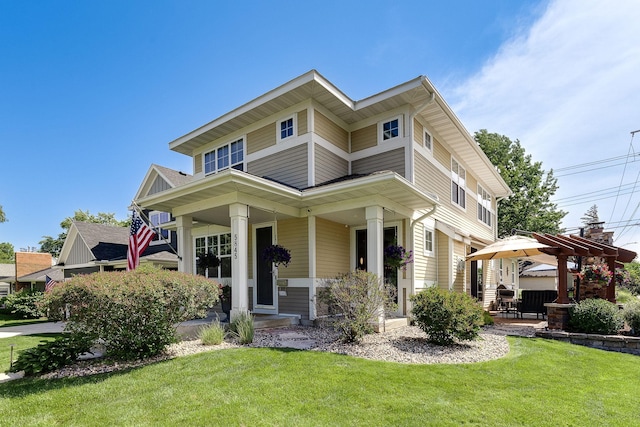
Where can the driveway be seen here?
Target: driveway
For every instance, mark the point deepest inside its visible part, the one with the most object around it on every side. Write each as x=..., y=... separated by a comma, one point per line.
x=30, y=329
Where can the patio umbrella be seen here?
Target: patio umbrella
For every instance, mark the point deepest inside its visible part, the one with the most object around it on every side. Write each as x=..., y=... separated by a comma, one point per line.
x=510, y=247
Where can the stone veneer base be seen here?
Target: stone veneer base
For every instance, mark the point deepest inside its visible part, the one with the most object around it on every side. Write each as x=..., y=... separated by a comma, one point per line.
x=619, y=343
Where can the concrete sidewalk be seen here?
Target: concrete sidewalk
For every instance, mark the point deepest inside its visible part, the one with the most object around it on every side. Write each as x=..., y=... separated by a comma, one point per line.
x=31, y=329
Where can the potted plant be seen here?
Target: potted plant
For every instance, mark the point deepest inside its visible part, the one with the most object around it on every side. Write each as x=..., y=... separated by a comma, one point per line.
x=276, y=255
x=395, y=256
x=594, y=280
x=225, y=299
x=206, y=260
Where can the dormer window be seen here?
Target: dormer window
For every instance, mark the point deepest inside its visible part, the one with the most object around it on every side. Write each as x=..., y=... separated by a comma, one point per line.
x=228, y=156
x=390, y=129
x=287, y=128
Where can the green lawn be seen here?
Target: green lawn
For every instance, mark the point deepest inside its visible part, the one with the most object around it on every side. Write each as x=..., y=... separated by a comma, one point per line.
x=11, y=320
x=540, y=382
x=19, y=342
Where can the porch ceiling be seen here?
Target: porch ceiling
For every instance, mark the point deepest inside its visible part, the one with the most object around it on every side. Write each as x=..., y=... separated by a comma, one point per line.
x=207, y=200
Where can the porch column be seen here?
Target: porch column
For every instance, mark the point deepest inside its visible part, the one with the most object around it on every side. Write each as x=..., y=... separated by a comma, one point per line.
x=563, y=296
x=185, y=244
x=239, y=256
x=375, y=227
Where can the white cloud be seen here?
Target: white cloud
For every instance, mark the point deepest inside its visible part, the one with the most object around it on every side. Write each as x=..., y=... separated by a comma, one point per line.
x=568, y=88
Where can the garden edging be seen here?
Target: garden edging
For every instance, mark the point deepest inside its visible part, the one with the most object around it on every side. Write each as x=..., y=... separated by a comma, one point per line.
x=619, y=343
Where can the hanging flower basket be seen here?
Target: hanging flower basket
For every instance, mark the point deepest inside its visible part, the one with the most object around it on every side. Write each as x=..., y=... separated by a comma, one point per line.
x=207, y=260
x=277, y=255
x=596, y=273
x=395, y=256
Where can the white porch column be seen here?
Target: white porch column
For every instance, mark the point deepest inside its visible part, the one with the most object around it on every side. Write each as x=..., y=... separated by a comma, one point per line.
x=375, y=228
x=185, y=244
x=239, y=255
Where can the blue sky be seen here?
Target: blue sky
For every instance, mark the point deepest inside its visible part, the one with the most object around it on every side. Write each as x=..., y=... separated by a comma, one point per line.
x=91, y=93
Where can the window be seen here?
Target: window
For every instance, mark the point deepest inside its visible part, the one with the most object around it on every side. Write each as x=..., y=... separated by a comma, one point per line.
x=286, y=128
x=220, y=246
x=458, y=185
x=230, y=155
x=484, y=206
x=427, y=140
x=428, y=241
x=390, y=129
x=157, y=218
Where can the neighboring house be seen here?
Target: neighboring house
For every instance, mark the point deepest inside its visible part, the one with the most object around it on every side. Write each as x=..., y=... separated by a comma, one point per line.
x=90, y=248
x=335, y=181
x=7, y=278
x=544, y=276
x=28, y=263
x=36, y=281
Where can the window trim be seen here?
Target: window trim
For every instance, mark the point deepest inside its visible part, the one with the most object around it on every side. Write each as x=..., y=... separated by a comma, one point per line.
x=294, y=128
x=231, y=165
x=431, y=230
x=219, y=245
x=481, y=204
x=157, y=228
x=457, y=181
x=381, y=129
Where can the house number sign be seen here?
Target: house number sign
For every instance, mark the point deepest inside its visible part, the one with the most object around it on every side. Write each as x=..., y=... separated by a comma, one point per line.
x=235, y=246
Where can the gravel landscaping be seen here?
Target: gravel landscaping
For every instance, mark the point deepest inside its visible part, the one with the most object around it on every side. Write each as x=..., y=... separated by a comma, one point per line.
x=403, y=345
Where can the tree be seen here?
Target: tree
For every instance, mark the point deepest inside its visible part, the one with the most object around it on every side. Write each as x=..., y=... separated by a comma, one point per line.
x=3, y=218
x=7, y=253
x=529, y=208
x=54, y=245
x=591, y=216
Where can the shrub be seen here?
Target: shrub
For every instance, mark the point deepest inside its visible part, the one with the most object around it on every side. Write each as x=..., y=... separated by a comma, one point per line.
x=444, y=315
x=242, y=328
x=356, y=300
x=25, y=304
x=134, y=313
x=631, y=315
x=212, y=334
x=486, y=318
x=52, y=355
x=595, y=316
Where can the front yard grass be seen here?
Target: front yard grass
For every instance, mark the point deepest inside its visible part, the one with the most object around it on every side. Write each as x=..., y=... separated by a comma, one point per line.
x=20, y=342
x=11, y=320
x=541, y=382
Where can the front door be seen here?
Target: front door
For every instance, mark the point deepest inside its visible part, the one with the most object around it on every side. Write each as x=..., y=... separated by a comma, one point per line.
x=389, y=237
x=264, y=293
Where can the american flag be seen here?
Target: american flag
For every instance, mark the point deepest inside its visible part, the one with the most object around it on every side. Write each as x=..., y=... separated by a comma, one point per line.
x=139, y=238
x=49, y=283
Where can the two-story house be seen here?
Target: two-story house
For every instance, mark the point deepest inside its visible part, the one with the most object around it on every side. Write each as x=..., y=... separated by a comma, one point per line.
x=335, y=181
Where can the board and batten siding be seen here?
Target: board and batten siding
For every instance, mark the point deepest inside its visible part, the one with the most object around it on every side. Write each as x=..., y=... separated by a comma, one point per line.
x=390, y=160
x=287, y=166
x=366, y=137
x=331, y=132
x=302, y=122
x=295, y=302
x=197, y=163
x=159, y=185
x=79, y=253
x=332, y=248
x=261, y=138
x=328, y=165
x=293, y=235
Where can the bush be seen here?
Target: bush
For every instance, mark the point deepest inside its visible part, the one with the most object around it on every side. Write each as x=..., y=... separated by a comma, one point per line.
x=595, y=316
x=631, y=315
x=212, y=334
x=486, y=318
x=52, y=355
x=356, y=300
x=25, y=304
x=242, y=328
x=133, y=313
x=444, y=315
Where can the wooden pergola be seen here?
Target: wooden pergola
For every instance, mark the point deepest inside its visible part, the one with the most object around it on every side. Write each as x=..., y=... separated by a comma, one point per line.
x=563, y=247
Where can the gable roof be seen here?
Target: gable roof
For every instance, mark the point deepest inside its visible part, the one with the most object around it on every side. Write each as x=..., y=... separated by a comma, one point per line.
x=419, y=93
x=160, y=178
x=8, y=271
x=41, y=276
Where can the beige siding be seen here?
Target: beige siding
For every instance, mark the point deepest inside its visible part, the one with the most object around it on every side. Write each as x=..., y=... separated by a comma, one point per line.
x=391, y=160
x=261, y=138
x=429, y=179
x=331, y=131
x=329, y=166
x=293, y=235
x=459, y=276
x=332, y=248
x=418, y=131
x=197, y=163
x=302, y=122
x=364, y=138
x=424, y=267
x=444, y=259
x=288, y=166
x=296, y=301
x=441, y=155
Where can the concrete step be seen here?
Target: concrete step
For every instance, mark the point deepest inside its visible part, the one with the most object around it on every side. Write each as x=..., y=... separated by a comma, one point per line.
x=393, y=323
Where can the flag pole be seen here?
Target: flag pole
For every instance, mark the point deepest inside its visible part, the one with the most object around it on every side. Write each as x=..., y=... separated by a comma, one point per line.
x=155, y=228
